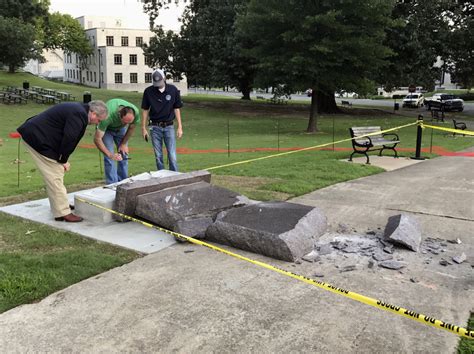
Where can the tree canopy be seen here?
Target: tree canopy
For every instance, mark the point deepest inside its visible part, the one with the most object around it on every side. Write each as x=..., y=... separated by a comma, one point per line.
x=50, y=31
x=323, y=45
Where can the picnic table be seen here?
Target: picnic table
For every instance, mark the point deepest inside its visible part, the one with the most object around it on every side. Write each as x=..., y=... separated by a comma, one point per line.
x=47, y=99
x=36, y=88
x=13, y=98
x=65, y=96
x=49, y=92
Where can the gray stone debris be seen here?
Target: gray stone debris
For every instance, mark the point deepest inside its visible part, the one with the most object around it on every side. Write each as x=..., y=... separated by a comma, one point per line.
x=348, y=268
x=444, y=262
x=392, y=264
x=187, y=209
x=127, y=193
x=460, y=258
x=380, y=256
x=324, y=249
x=388, y=249
x=280, y=230
x=404, y=230
x=312, y=257
x=456, y=241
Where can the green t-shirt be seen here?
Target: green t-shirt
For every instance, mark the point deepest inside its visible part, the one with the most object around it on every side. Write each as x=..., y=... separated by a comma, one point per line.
x=113, y=119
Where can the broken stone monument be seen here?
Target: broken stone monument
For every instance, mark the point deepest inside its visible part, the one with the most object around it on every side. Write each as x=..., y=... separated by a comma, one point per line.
x=187, y=209
x=280, y=230
x=404, y=230
x=127, y=193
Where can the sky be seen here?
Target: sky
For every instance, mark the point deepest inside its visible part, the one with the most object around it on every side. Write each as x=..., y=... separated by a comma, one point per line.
x=130, y=10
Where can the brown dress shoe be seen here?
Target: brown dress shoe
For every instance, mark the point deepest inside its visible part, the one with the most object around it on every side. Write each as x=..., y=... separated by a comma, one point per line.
x=69, y=218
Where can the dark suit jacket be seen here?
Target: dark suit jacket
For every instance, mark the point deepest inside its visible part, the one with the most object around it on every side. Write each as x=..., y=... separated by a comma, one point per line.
x=56, y=132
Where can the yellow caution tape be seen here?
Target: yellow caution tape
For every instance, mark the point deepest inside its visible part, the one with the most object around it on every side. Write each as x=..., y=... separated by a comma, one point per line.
x=457, y=131
x=309, y=148
x=463, y=332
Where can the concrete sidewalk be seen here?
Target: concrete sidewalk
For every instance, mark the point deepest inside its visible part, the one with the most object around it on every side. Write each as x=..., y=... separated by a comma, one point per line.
x=187, y=298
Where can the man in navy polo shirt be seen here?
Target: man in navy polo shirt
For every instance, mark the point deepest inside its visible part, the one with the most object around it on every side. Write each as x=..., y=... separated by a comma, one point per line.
x=161, y=104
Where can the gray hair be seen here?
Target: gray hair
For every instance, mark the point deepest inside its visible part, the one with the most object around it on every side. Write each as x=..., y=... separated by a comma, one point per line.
x=98, y=107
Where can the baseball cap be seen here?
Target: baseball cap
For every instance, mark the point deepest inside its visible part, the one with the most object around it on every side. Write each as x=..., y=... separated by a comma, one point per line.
x=158, y=78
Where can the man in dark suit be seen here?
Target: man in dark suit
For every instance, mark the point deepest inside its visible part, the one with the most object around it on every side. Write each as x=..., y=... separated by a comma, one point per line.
x=51, y=137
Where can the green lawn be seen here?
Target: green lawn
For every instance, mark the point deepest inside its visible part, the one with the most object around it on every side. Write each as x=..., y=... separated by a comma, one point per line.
x=35, y=267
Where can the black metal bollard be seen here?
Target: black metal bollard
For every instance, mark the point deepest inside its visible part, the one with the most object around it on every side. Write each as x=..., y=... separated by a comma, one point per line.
x=87, y=97
x=419, y=135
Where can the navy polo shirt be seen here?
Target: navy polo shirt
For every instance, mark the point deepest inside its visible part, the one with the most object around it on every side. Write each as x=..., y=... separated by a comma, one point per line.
x=161, y=104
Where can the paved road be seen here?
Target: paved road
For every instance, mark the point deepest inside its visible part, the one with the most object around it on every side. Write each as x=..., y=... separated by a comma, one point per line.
x=190, y=299
x=468, y=106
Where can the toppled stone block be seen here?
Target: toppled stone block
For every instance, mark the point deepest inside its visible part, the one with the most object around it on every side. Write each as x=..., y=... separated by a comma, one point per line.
x=280, y=230
x=404, y=230
x=187, y=209
x=127, y=193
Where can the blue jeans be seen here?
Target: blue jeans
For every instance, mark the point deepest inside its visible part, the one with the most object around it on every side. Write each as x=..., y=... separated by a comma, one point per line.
x=114, y=172
x=166, y=135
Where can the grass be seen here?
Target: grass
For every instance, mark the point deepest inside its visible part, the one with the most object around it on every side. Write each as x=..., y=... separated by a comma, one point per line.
x=36, y=260
x=36, y=264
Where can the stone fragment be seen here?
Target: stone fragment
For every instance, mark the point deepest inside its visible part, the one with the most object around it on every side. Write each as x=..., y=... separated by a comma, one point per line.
x=348, y=268
x=404, y=230
x=388, y=249
x=444, y=262
x=392, y=264
x=127, y=193
x=379, y=256
x=351, y=249
x=371, y=264
x=456, y=241
x=318, y=275
x=460, y=258
x=187, y=209
x=312, y=257
x=324, y=249
x=280, y=230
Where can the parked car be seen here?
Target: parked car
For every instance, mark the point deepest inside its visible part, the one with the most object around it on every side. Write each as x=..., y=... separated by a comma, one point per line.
x=444, y=101
x=413, y=100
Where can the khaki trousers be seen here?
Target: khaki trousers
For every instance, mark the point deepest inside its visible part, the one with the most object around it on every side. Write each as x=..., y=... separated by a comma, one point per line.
x=53, y=176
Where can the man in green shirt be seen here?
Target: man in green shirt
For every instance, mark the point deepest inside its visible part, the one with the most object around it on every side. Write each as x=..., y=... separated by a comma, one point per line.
x=116, y=129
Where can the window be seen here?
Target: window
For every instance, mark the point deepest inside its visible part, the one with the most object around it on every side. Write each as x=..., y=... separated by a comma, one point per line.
x=148, y=78
x=124, y=41
x=87, y=74
x=118, y=59
x=118, y=78
x=149, y=61
x=95, y=76
x=133, y=78
x=139, y=41
x=102, y=77
x=110, y=41
x=133, y=59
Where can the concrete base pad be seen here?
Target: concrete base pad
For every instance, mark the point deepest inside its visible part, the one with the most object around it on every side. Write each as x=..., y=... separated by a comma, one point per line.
x=388, y=163
x=98, y=224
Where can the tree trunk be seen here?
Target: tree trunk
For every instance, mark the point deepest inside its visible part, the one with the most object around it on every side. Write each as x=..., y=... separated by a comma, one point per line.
x=313, y=118
x=326, y=102
x=11, y=68
x=245, y=88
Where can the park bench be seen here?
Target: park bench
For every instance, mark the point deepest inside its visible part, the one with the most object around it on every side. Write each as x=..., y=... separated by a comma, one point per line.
x=459, y=125
x=346, y=103
x=378, y=141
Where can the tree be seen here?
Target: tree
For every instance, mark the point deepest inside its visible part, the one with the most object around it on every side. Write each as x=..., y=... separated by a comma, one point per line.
x=63, y=31
x=460, y=59
x=17, y=43
x=420, y=36
x=208, y=48
x=28, y=11
x=323, y=45
x=50, y=31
